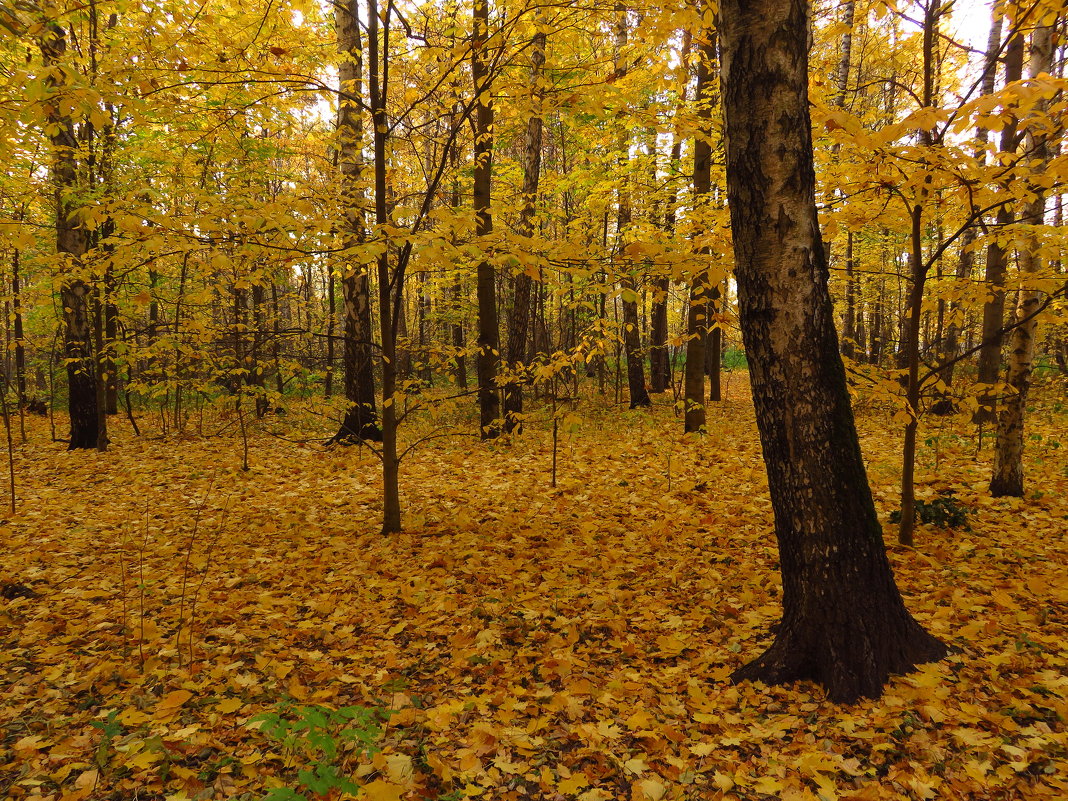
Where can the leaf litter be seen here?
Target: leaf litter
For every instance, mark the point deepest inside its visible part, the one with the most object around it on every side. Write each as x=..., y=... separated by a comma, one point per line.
x=520, y=641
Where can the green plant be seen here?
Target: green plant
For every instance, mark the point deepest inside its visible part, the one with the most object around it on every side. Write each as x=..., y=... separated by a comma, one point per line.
x=109, y=729
x=324, y=740
x=944, y=511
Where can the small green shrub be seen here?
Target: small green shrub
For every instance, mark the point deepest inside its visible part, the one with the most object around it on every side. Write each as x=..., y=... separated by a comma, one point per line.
x=944, y=511
x=318, y=736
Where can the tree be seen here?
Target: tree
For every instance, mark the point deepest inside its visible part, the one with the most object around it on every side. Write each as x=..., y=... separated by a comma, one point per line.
x=72, y=245
x=639, y=395
x=702, y=292
x=488, y=357
x=996, y=253
x=519, y=319
x=1008, y=475
x=361, y=418
x=844, y=623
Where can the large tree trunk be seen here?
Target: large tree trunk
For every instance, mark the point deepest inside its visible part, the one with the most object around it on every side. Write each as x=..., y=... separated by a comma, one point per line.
x=488, y=355
x=72, y=243
x=1008, y=475
x=361, y=418
x=844, y=623
x=519, y=320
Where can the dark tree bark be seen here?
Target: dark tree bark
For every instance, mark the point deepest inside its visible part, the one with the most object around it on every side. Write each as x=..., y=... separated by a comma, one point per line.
x=488, y=356
x=519, y=321
x=388, y=294
x=702, y=293
x=844, y=623
x=72, y=243
x=361, y=418
x=639, y=395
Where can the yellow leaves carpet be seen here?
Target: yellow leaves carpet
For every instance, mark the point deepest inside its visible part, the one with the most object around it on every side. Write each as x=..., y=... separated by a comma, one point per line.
x=532, y=642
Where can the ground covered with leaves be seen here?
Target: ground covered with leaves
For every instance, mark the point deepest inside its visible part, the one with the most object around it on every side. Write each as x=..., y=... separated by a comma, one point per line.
x=174, y=627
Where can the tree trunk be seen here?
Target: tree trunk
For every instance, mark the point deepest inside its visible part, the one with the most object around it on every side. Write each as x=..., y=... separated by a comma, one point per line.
x=844, y=623
x=659, y=355
x=519, y=321
x=996, y=258
x=16, y=309
x=378, y=94
x=918, y=271
x=72, y=243
x=639, y=395
x=361, y=418
x=488, y=355
x=1008, y=475
x=701, y=290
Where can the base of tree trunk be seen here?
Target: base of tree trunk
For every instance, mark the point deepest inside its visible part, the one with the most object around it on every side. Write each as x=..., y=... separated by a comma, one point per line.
x=640, y=399
x=1007, y=486
x=943, y=407
x=360, y=425
x=829, y=656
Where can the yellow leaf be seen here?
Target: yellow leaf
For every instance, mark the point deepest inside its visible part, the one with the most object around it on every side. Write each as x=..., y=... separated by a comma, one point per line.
x=144, y=759
x=132, y=716
x=768, y=786
x=173, y=700
x=379, y=790
x=651, y=789
x=722, y=781
x=229, y=705
x=572, y=784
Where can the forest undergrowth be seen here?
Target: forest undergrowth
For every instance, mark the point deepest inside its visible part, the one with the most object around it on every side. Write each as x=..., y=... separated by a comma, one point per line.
x=517, y=641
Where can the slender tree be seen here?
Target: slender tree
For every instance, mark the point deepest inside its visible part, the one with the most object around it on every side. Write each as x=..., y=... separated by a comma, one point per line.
x=996, y=252
x=844, y=624
x=1008, y=473
x=488, y=356
x=639, y=395
x=361, y=418
x=702, y=292
x=518, y=323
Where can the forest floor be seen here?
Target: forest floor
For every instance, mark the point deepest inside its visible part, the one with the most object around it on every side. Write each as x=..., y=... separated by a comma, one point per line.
x=517, y=641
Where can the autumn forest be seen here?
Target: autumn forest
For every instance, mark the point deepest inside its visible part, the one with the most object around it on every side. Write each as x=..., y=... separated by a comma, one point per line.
x=529, y=400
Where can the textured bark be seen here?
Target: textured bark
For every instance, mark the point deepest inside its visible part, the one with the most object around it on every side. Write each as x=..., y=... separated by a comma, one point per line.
x=849, y=322
x=844, y=623
x=72, y=243
x=377, y=90
x=519, y=320
x=632, y=346
x=701, y=297
x=488, y=356
x=1008, y=475
x=996, y=259
x=361, y=418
